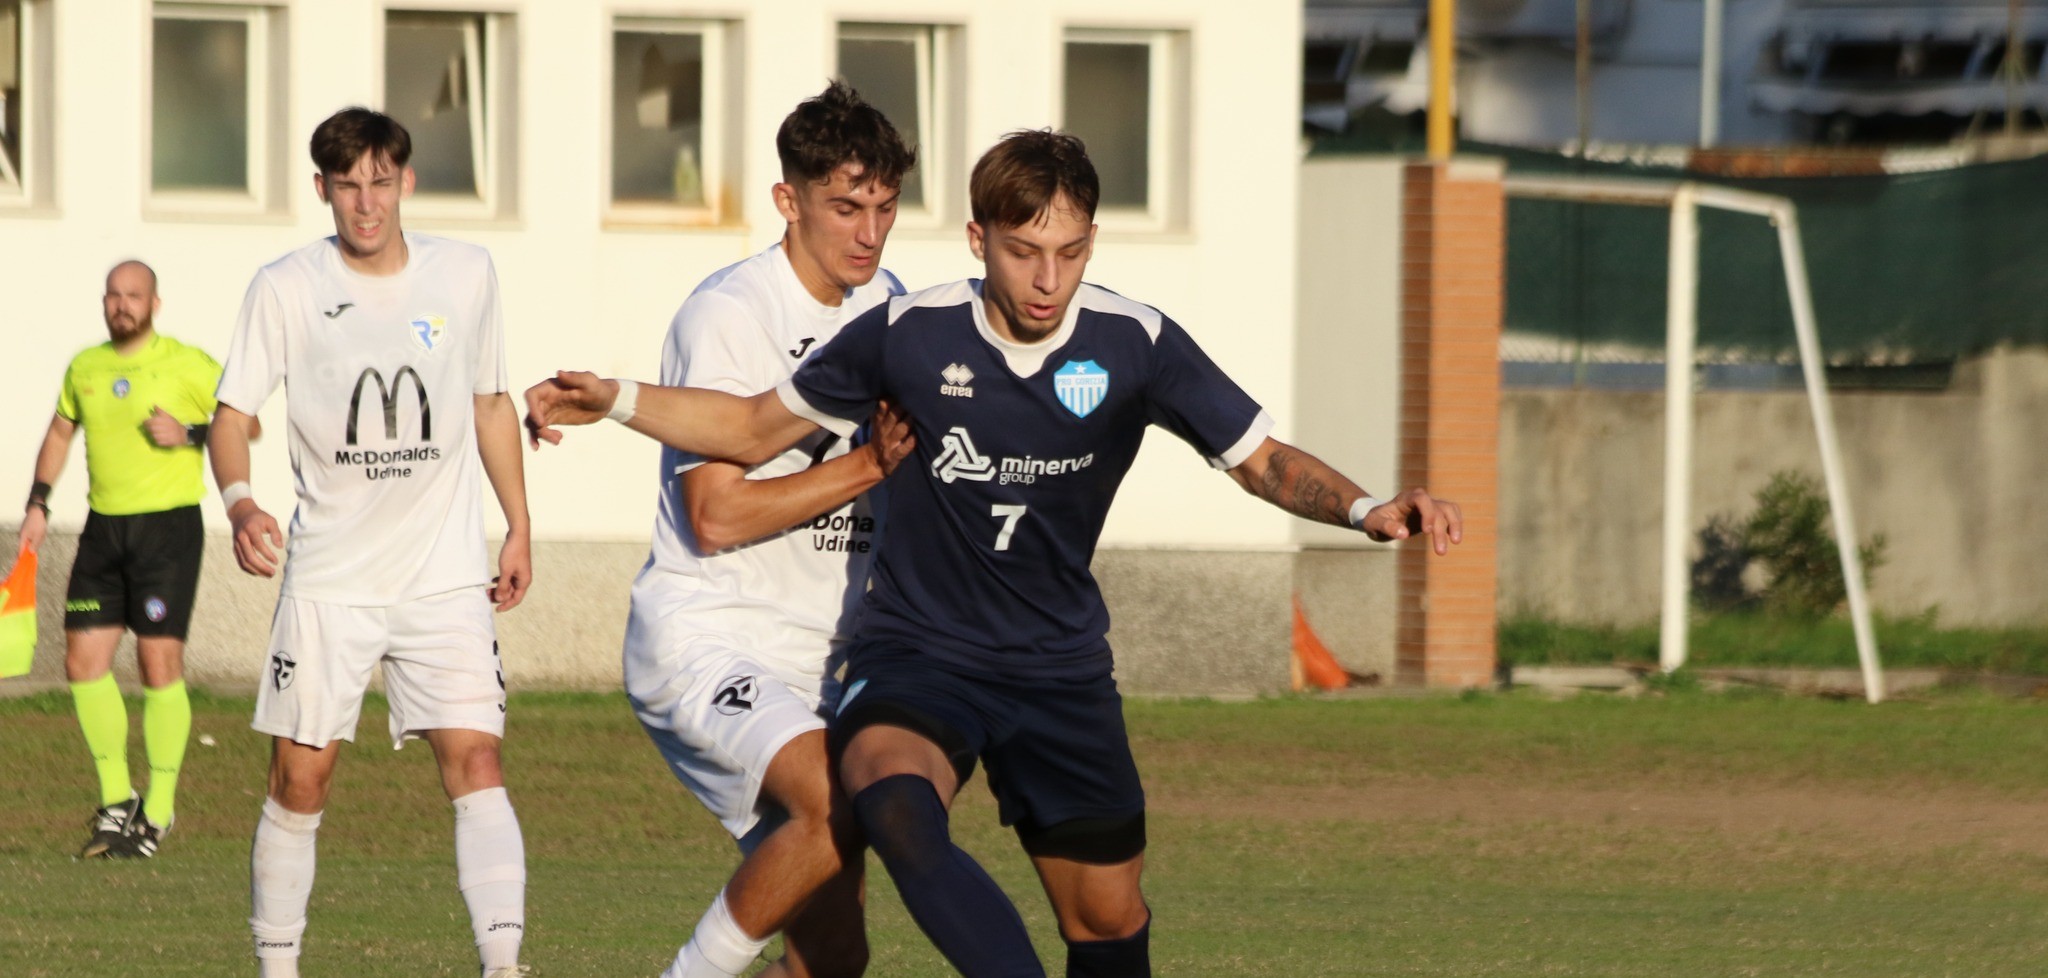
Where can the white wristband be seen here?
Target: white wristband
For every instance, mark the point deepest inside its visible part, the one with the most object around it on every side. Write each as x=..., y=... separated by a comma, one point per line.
x=1364, y=505
x=232, y=494
x=622, y=406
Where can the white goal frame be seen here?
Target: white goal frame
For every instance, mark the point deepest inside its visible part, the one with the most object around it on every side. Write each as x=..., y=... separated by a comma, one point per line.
x=1685, y=198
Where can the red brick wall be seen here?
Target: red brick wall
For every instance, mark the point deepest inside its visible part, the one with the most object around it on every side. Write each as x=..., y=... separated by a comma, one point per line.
x=1452, y=269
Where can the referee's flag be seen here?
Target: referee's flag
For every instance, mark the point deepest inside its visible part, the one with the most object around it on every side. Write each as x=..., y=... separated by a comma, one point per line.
x=18, y=618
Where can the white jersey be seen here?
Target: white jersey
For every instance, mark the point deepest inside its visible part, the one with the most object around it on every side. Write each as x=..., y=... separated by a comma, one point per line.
x=785, y=597
x=380, y=372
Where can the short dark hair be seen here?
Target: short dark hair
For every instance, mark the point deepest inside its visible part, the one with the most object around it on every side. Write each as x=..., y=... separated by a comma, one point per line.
x=836, y=127
x=347, y=136
x=1021, y=175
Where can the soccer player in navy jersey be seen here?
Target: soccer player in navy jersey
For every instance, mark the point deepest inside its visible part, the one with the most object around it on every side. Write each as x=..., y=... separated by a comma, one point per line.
x=984, y=639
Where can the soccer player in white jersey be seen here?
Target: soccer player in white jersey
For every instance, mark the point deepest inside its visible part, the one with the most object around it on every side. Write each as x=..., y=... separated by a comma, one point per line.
x=392, y=346
x=756, y=570
x=984, y=637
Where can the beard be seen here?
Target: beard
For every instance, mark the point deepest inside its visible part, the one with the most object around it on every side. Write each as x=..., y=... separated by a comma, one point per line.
x=123, y=328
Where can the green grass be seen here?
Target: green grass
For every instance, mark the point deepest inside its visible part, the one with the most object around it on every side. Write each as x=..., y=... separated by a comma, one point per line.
x=1686, y=834
x=1761, y=640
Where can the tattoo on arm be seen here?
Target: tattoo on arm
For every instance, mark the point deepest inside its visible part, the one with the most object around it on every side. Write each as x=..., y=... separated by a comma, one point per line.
x=1294, y=482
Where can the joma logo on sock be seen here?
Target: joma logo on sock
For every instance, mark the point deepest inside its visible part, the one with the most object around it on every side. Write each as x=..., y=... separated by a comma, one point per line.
x=506, y=925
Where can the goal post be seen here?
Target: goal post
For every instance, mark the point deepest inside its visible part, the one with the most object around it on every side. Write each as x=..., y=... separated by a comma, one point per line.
x=1684, y=199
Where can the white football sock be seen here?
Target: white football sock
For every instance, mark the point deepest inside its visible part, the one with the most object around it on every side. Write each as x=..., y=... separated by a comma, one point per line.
x=490, y=869
x=719, y=948
x=280, y=882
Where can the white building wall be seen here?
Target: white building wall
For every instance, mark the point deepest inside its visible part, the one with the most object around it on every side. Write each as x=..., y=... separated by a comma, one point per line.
x=580, y=294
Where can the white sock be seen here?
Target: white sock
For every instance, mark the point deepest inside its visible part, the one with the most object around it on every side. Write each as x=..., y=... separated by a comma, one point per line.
x=719, y=948
x=280, y=882
x=490, y=869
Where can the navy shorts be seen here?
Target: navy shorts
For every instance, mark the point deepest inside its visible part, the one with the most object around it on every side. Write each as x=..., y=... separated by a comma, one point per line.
x=140, y=572
x=1056, y=749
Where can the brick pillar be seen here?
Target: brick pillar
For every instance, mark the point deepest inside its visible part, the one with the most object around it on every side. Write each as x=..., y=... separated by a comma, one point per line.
x=1452, y=274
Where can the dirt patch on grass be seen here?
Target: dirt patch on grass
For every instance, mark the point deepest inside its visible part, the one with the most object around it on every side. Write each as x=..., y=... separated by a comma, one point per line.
x=1838, y=821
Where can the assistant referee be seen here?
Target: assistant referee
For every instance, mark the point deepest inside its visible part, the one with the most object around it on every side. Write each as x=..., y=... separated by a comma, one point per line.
x=142, y=400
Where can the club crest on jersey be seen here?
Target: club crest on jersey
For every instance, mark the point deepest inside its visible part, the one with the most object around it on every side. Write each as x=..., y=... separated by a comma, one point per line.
x=121, y=387
x=427, y=331
x=736, y=695
x=956, y=377
x=1081, y=386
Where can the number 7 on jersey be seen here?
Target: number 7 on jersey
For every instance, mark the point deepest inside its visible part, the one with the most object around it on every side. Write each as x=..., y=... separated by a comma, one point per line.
x=1011, y=514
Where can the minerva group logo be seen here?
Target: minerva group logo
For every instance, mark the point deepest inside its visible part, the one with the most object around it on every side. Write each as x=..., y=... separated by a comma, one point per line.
x=959, y=459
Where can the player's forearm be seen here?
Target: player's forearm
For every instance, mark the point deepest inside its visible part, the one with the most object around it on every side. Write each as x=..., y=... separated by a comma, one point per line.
x=227, y=446
x=1299, y=483
x=715, y=424
x=741, y=510
x=497, y=444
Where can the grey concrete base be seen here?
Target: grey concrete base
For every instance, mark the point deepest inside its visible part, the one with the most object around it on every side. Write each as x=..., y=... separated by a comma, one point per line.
x=1192, y=623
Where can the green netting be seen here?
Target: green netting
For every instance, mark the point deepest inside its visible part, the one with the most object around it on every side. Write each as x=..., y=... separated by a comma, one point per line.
x=1922, y=266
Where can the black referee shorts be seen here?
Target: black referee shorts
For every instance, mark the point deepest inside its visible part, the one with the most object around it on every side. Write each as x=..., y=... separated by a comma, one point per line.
x=1059, y=761
x=138, y=571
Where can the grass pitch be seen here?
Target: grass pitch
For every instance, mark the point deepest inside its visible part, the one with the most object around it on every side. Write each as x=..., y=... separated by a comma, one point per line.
x=1695, y=835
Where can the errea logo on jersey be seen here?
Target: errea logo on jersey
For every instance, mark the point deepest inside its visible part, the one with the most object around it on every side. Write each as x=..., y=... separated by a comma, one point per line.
x=956, y=377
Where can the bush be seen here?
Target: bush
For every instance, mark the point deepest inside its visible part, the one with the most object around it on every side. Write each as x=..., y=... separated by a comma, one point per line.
x=1790, y=539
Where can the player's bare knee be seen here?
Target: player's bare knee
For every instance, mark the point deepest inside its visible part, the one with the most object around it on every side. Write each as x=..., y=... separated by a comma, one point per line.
x=300, y=788
x=471, y=767
x=1110, y=919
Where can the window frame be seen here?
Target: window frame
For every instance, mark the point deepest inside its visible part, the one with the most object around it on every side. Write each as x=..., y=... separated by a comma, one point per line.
x=720, y=39
x=1168, y=144
x=939, y=112
x=262, y=193
x=34, y=185
x=494, y=146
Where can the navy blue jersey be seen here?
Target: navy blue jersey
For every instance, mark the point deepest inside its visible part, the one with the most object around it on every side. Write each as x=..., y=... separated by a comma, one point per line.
x=1020, y=449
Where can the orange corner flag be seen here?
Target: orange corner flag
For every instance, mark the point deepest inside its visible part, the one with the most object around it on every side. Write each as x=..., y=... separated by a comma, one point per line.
x=18, y=618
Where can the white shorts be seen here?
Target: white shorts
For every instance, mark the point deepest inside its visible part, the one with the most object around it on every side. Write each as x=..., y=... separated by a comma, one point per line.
x=440, y=658
x=718, y=722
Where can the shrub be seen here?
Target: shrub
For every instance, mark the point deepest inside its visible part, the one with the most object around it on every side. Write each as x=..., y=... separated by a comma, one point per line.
x=1790, y=539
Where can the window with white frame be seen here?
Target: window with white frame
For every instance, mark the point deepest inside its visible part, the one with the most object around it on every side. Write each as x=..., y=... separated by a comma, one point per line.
x=213, y=97
x=448, y=80
x=902, y=70
x=12, y=51
x=673, y=102
x=1124, y=94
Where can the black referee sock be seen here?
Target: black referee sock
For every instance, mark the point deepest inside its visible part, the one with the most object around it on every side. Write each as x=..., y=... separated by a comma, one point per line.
x=950, y=896
x=1124, y=957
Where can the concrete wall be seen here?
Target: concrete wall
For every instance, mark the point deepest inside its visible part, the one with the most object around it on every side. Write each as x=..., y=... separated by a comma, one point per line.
x=1953, y=480
x=1208, y=623
x=582, y=289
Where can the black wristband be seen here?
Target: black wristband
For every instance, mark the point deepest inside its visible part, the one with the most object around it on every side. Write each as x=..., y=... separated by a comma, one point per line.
x=39, y=495
x=195, y=434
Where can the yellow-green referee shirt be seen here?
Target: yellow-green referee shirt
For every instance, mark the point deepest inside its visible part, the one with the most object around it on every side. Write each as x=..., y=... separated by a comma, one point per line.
x=110, y=396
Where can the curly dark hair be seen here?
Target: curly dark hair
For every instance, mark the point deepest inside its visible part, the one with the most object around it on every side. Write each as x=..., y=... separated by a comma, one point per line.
x=349, y=135
x=836, y=127
x=1021, y=175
